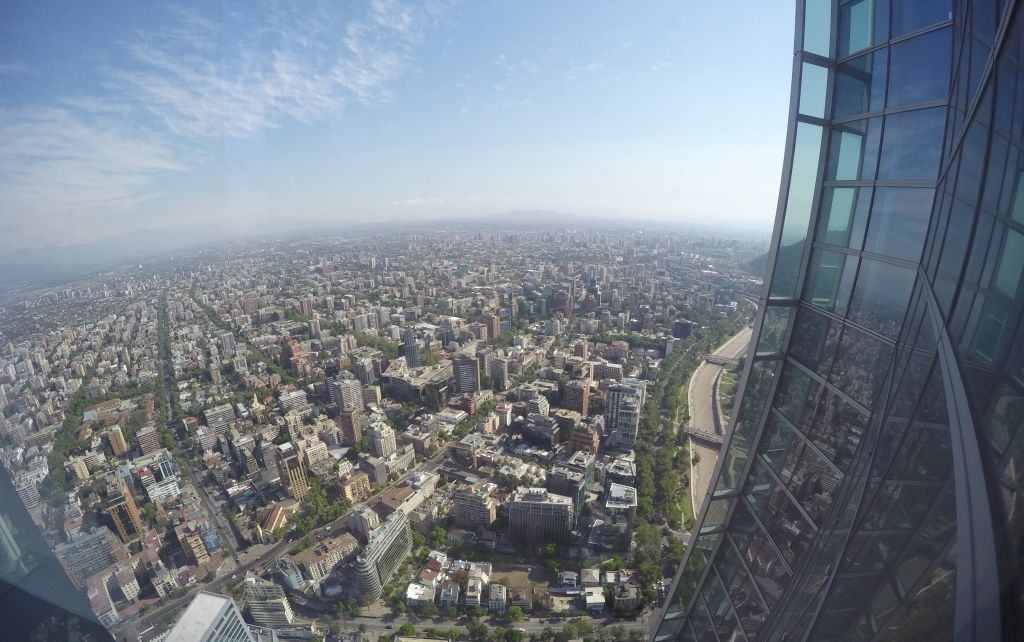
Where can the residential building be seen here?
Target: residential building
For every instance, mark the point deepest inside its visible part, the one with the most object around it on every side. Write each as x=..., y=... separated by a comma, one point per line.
x=352, y=422
x=321, y=558
x=475, y=506
x=117, y=442
x=122, y=510
x=382, y=439
x=267, y=603
x=356, y=487
x=292, y=471
x=384, y=552
x=537, y=517
x=624, y=403
x=149, y=439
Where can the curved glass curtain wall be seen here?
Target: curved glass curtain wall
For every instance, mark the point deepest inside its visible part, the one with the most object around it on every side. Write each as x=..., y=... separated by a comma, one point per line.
x=870, y=485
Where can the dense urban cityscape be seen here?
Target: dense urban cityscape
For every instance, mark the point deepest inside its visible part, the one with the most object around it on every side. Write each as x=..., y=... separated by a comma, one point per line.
x=493, y=434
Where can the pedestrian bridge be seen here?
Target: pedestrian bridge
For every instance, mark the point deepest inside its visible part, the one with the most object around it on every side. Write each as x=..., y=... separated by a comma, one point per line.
x=719, y=360
x=704, y=437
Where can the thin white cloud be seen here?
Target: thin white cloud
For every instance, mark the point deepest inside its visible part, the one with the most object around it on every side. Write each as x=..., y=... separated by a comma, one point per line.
x=420, y=200
x=59, y=169
x=13, y=68
x=177, y=90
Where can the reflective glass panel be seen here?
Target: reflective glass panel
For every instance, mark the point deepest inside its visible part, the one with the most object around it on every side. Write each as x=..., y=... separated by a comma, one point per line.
x=773, y=329
x=912, y=144
x=860, y=365
x=860, y=84
x=854, y=150
x=797, y=395
x=899, y=221
x=911, y=15
x=815, y=338
x=831, y=280
x=1010, y=266
x=844, y=211
x=881, y=295
x=806, y=151
x=817, y=26
x=752, y=404
x=813, y=89
x=919, y=69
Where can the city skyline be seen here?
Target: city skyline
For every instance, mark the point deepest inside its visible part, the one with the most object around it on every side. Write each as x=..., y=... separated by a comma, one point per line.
x=153, y=119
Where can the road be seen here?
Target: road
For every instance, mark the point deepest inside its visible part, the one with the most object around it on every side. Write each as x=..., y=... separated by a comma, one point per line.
x=702, y=395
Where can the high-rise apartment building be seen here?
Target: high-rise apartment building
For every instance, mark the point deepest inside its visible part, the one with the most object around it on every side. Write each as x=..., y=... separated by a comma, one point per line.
x=576, y=396
x=352, y=423
x=123, y=511
x=117, y=441
x=870, y=484
x=346, y=392
x=293, y=473
x=622, y=408
x=467, y=373
x=387, y=547
x=475, y=506
x=411, y=347
x=267, y=603
x=382, y=439
x=537, y=517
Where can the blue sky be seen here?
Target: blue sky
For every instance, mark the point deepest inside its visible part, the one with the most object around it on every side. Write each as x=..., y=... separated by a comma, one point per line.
x=234, y=117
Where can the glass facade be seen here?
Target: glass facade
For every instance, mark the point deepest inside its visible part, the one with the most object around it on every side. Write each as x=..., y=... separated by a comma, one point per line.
x=872, y=481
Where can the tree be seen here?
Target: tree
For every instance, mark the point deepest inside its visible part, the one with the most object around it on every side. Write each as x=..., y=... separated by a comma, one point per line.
x=418, y=540
x=439, y=537
x=453, y=633
x=479, y=632
x=407, y=629
x=515, y=613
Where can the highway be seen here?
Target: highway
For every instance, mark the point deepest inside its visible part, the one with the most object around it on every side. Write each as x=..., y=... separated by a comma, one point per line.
x=702, y=395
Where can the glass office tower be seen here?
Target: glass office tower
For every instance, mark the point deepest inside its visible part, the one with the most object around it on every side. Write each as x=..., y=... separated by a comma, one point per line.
x=37, y=599
x=871, y=483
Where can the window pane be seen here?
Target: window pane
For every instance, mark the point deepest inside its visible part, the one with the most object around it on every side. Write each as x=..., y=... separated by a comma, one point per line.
x=899, y=221
x=919, y=69
x=752, y=404
x=911, y=15
x=860, y=365
x=844, y=211
x=766, y=567
x=1010, y=267
x=860, y=84
x=773, y=329
x=881, y=296
x=787, y=527
x=837, y=430
x=815, y=338
x=797, y=396
x=912, y=144
x=813, y=88
x=854, y=150
x=831, y=280
x=817, y=26
x=856, y=23
x=806, y=151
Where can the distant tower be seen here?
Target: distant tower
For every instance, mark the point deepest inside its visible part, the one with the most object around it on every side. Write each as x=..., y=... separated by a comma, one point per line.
x=122, y=509
x=412, y=349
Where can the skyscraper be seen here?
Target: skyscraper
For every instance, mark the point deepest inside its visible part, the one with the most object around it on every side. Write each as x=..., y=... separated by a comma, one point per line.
x=293, y=473
x=411, y=347
x=467, y=373
x=870, y=482
x=210, y=618
x=38, y=601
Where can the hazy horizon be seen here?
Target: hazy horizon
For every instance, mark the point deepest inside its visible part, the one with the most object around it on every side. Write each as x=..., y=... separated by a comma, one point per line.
x=231, y=120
